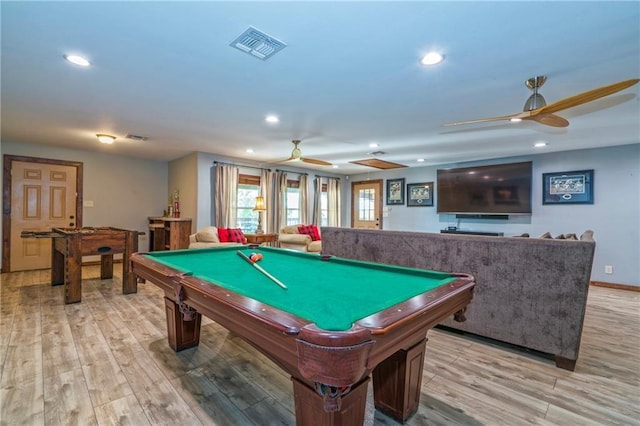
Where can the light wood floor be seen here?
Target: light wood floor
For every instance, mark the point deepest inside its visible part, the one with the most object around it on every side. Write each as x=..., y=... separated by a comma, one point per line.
x=106, y=361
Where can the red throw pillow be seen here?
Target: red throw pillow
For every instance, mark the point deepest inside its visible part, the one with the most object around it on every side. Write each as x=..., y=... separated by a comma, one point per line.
x=310, y=230
x=223, y=235
x=236, y=236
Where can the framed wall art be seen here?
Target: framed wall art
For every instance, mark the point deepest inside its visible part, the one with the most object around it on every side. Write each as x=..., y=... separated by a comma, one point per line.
x=395, y=191
x=574, y=187
x=420, y=194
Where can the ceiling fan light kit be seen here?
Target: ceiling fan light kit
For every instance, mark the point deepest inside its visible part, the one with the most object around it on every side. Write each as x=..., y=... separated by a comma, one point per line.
x=296, y=155
x=536, y=108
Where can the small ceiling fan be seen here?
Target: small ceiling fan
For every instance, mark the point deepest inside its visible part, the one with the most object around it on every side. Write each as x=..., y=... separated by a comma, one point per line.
x=296, y=154
x=536, y=108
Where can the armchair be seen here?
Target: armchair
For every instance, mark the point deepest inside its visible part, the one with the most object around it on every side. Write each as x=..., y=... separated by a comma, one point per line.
x=291, y=238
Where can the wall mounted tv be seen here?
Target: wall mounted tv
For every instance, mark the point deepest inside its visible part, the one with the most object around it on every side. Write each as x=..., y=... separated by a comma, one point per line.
x=484, y=191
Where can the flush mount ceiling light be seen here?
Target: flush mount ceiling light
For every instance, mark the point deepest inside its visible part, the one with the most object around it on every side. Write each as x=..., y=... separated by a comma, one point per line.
x=103, y=138
x=78, y=60
x=432, y=58
x=272, y=119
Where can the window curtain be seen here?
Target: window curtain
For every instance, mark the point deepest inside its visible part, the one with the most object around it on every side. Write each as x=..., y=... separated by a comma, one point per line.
x=317, y=203
x=266, y=190
x=333, y=202
x=304, y=199
x=279, y=218
x=226, y=195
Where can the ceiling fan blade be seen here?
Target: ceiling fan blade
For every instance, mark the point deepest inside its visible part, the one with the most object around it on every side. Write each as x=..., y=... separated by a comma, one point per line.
x=583, y=98
x=314, y=161
x=484, y=120
x=283, y=161
x=549, y=120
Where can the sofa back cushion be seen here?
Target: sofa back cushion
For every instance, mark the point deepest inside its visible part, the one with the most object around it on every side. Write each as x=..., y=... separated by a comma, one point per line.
x=223, y=234
x=208, y=234
x=236, y=236
x=291, y=229
x=310, y=230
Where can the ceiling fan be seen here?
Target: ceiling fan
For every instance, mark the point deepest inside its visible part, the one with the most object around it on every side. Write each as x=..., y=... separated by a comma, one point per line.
x=296, y=154
x=536, y=108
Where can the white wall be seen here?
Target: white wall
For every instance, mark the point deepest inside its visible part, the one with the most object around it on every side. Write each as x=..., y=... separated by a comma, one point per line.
x=614, y=217
x=125, y=190
x=183, y=177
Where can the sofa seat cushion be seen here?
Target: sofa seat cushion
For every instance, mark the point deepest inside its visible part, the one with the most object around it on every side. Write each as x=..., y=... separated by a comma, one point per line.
x=315, y=247
x=199, y=245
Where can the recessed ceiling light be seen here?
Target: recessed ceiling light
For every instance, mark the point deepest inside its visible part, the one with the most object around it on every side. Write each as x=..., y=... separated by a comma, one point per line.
x=272, y=119
x=420, y=160
x=432, y=58
x=108, y=139
x=515, y=120
x=373, y=145
x=335, y=166
x=540, y=144
x=78, y=60
x=249, y=151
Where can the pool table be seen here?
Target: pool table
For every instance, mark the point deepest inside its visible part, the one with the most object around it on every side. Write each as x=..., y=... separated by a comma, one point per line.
x=337, y=322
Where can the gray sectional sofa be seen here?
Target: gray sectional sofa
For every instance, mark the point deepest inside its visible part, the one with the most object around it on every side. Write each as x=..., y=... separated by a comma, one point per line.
x=530, y=292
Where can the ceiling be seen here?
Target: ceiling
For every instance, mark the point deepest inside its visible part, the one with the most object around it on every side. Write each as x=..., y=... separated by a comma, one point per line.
x=349, y=76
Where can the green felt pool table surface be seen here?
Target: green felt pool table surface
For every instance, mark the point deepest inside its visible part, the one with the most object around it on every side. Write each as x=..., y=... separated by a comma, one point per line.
x=333, y=293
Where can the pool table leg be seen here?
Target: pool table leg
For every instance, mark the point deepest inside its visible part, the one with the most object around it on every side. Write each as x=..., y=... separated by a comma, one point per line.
x=397, y=381
x=181, y=334
x=310, y=406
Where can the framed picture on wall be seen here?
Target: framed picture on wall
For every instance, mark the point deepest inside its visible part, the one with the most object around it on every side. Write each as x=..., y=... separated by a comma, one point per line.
x=420, y=194
x=395, y=191
x=574, y=187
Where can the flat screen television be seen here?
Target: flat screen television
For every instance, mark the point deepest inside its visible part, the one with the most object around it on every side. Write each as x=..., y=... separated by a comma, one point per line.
x=499, y=189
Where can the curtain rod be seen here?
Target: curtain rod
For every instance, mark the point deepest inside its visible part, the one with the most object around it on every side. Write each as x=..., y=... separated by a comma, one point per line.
x=240, y=165
x=328, y=177
x=289, y=171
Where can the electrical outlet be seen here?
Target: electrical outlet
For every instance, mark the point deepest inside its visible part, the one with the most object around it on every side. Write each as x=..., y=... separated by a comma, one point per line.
x=608, y=269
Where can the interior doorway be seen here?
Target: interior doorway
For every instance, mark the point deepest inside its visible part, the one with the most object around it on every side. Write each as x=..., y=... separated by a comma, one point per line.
x=366, y=204
x=38, y=194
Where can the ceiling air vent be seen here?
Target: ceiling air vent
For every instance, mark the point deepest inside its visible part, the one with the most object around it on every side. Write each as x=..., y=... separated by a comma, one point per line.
x=258, y=44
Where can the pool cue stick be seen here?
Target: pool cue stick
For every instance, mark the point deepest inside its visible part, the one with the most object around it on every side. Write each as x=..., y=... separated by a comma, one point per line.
x=259, y=268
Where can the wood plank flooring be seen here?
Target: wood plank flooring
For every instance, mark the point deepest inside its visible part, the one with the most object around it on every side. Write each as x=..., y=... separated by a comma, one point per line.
x=105, y=361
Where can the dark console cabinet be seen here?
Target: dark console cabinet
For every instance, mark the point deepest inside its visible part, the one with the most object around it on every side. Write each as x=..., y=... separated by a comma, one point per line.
x=168, y=233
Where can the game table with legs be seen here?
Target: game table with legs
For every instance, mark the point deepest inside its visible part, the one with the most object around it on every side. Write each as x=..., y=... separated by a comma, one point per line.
x=336, y=323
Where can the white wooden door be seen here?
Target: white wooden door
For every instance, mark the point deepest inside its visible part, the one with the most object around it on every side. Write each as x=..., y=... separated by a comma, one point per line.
x=366, y=204
x=43, y=196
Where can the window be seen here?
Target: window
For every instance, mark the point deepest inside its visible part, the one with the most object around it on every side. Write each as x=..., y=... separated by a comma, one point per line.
x=293, y=203
x=324, y=206
x=248, y=190
x=366, y=204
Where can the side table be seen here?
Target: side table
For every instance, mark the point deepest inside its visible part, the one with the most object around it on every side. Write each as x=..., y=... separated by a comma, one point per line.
x=266, y=238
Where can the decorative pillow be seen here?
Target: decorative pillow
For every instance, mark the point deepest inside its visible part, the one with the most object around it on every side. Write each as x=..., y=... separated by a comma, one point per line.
x=310, y=230
x=223, y=234
x=546, y=235
x=236, y=236
x=208, y=234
